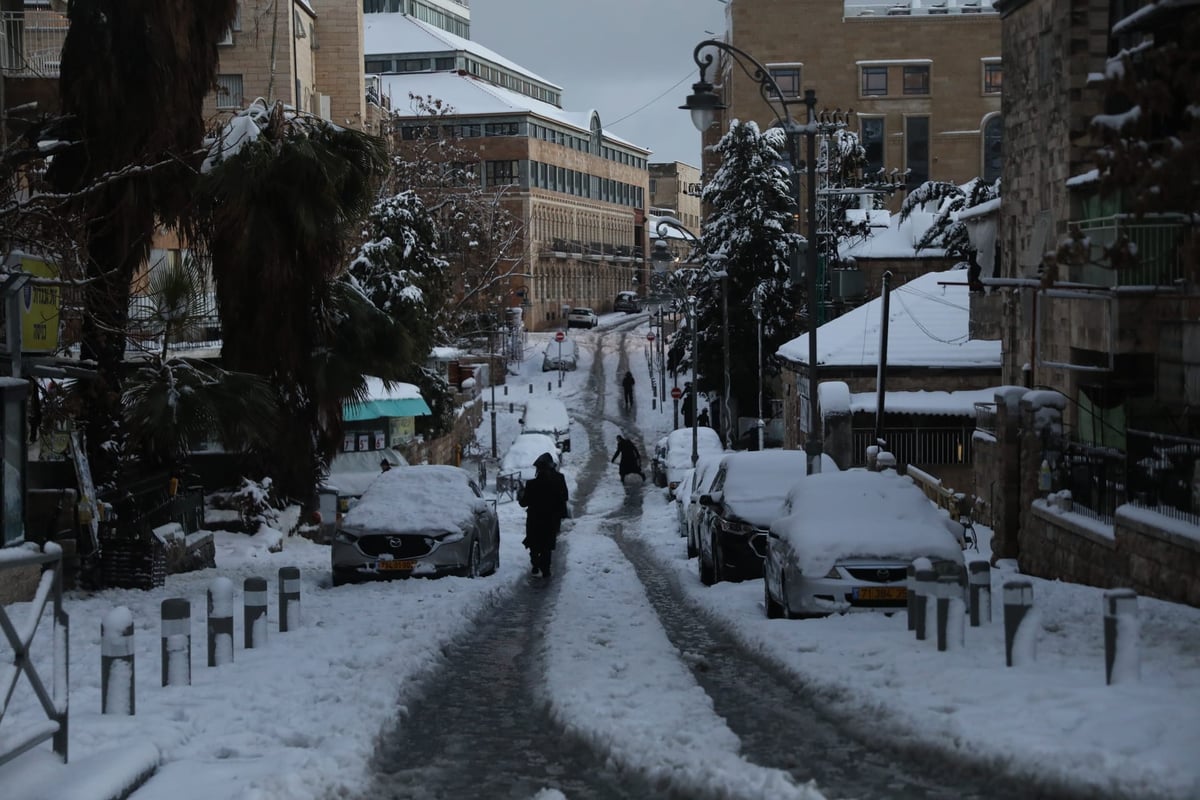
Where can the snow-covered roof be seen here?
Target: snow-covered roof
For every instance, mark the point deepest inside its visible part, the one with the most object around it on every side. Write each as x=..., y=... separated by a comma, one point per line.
x=891, y=238
x=891, y=519
x=398, y=400
x=928, y=327
x=961, y=403
x=389, y=33
x=423, y=498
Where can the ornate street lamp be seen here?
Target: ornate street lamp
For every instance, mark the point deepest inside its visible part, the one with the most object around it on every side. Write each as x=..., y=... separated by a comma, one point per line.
x=703, y=103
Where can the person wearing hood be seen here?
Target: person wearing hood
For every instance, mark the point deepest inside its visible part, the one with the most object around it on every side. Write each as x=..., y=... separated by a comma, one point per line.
x=631, y=459
x=544, y=496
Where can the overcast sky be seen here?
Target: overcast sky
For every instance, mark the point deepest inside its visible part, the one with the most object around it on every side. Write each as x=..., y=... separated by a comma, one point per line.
x=631, y=60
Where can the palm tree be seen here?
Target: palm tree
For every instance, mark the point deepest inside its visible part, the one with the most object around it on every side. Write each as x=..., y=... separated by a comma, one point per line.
x=134, y=75
x=281, y=201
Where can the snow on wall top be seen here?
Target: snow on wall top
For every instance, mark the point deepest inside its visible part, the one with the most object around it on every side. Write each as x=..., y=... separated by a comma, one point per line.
x=927, y=327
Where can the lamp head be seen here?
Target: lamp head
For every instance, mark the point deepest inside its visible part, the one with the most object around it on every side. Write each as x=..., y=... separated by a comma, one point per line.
x=703, y=103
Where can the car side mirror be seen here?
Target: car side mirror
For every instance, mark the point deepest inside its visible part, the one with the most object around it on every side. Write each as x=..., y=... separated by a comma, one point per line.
x=707, y=500
x=481, y=506
x=521, y=421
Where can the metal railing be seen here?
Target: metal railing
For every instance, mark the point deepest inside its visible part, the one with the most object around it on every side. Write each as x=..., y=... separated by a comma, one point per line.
x=1161, y=474
x=1151, y=244
x=985, y=418
x=54, y=702
x=31, y=42
x=1095, y=477
x=920, y=446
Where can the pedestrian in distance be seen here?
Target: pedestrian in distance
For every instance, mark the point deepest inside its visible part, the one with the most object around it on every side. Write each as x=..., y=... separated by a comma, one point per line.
x=627, y=383
x=702, y=421
x=544, y=497
x=385, y=465
x=631, y=460
x=688, y=405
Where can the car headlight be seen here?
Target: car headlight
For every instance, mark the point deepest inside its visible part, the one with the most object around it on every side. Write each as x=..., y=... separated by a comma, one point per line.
x=450, y=538
x=738, y=528
x=344, y=538
x=833, y=573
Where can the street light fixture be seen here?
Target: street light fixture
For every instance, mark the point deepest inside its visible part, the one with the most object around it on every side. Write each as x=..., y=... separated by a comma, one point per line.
x=703, y=103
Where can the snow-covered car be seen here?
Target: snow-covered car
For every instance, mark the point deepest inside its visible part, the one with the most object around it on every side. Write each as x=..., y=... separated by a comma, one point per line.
x=627, y=302
x=559, y=355
x=581, y=317
x=517, y=464
x=746, y=496
x=548, y=415
x=688, y=496
x=846, y=541
x=673, y=454
x=417, y=521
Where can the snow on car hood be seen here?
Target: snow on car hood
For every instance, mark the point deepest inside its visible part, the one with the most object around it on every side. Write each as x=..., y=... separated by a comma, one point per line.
x=418, y=499
x=679, y=446
x=757, y=483
x=861, y=514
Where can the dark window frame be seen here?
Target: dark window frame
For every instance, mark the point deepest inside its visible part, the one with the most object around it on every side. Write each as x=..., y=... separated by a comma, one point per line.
x=866, y=84
x=916, y=79
x=993, y=77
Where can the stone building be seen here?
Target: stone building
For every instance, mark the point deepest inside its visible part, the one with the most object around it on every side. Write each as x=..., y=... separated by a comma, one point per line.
x=924, y=79
x=578, y=191
x=675, y=192
x=1100, y=481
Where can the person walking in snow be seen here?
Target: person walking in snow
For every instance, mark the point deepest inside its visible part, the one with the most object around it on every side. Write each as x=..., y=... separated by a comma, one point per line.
x=544, y=496
x=631, y=460
x=627, y=382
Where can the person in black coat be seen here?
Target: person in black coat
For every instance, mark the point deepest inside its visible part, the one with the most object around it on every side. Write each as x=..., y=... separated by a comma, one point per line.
x=631, y=459
x=627, y=384
x=545, y=499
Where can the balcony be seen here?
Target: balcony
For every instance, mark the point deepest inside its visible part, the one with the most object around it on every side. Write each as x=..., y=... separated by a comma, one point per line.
x=32, y=43
x=1123, y=250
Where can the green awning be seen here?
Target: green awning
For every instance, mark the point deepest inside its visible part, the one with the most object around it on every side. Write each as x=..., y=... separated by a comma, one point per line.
x=377, y=409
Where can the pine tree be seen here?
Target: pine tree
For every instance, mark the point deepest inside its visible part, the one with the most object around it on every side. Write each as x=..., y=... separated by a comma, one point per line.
x=748, y=237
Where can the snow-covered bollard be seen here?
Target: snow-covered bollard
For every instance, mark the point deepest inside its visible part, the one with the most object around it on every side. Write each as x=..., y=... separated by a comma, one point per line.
x=1122, y=659
x=254, y=612
x=925, y=584
x=289, y=598
x=116, y=662
x=176, y=616
x=1018, y=600
x=220, y=622
x=950, y=613
x=980, y=585
x=910, y=596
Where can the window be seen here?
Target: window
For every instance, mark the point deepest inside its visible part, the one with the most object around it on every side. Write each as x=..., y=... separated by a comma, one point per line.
x=916, y=150
x=788, y=79
x=874, y=81
x=993, y=147
x=501, y=173
x=872, y=142
x=444, y=63
x=916, y=79
x=993, y=77
x=500, y=129
x=229, y=91
x=376, y=66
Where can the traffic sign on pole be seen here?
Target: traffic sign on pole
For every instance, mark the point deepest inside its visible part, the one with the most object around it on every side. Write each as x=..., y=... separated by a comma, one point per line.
x=676, y=393
x=559, y=336
x=650, y=336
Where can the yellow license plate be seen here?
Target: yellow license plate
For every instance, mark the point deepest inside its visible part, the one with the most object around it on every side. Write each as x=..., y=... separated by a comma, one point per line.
x=389, y=566
x=881, y=593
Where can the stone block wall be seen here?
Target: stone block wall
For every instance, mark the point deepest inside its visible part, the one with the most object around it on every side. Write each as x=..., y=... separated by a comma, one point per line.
x=1161, y=562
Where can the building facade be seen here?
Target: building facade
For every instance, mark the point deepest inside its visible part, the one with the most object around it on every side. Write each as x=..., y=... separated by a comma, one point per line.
x=578, y=192
x=675, y=192
x=924, y=80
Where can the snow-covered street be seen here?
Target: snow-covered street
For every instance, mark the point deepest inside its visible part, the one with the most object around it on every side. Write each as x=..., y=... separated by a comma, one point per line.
x=313, y=713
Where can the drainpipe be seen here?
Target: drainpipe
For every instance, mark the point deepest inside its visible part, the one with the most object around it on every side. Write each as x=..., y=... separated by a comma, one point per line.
x=881, y=370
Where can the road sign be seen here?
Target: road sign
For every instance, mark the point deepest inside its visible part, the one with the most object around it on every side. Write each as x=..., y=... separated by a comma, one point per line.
x=559, y=336
x=650, y=336
x=676, y=393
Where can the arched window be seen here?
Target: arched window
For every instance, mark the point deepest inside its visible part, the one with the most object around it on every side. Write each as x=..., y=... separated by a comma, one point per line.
x=993, y=148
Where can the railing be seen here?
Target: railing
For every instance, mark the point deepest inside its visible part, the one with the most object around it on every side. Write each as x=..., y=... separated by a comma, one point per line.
x=985, y=418
x=1095, y=477
x=1162, y=474
x=31, y=42
x=921, y=446
x=1151, y=258
x=54, y=703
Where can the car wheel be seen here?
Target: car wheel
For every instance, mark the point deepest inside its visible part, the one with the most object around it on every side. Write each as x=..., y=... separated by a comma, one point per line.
x=774, y=609
x=706, y=571
x=784, y=605
x=338, y=580
x=718, y=566
x=472, y=568
x=692, y=552
x=496, y=554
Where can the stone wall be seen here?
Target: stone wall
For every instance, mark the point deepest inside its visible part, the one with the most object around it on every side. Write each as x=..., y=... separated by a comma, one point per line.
x=1160, y=561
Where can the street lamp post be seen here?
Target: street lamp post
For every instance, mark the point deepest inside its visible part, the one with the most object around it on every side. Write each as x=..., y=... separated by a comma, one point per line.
x=756, y=307
x=691, y=305
x=703, y=103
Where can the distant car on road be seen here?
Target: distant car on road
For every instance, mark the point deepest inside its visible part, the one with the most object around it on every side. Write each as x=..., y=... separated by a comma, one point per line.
x=548, y=415
x=582, y=318
x=559, y=355
x=846, y=540
x=627, y=302
x=417, y=521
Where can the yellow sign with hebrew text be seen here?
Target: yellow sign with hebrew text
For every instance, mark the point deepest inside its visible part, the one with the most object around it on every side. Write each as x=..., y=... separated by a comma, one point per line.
x=39, y=308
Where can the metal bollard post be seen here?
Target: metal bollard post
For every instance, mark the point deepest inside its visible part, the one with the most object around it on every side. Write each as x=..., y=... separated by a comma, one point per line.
x=925, y=581
x=506, y=390
x=910, y=599
x=550, y=385
x=510, y=408
x=1018, y=599
x=980, y=584
x=220, y=622
x=1122, y=659
x=116, y=662
x=950, y=622
x=289, y=598
x=531, y=388
x=176, y=616
x=254, y=612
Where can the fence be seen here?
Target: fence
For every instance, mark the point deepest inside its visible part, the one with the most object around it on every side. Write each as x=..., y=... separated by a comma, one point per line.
x=985, y=418
x=54, y=702
x=32, y=42
x=1153, y=244
x=920, y=446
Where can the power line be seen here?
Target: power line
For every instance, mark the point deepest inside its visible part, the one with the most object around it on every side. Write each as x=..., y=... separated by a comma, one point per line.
x=647, y=104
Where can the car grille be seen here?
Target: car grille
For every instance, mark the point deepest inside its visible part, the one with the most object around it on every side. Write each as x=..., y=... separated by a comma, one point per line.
x=877, y=574
x=410, y=546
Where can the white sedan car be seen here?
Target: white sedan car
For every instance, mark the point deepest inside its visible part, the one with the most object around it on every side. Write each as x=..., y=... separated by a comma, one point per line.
x=846, y=540
x=582, y=318
x=517, y=464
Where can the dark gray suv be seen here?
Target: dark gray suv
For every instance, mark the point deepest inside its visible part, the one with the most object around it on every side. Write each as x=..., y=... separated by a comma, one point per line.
x=627, y=302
